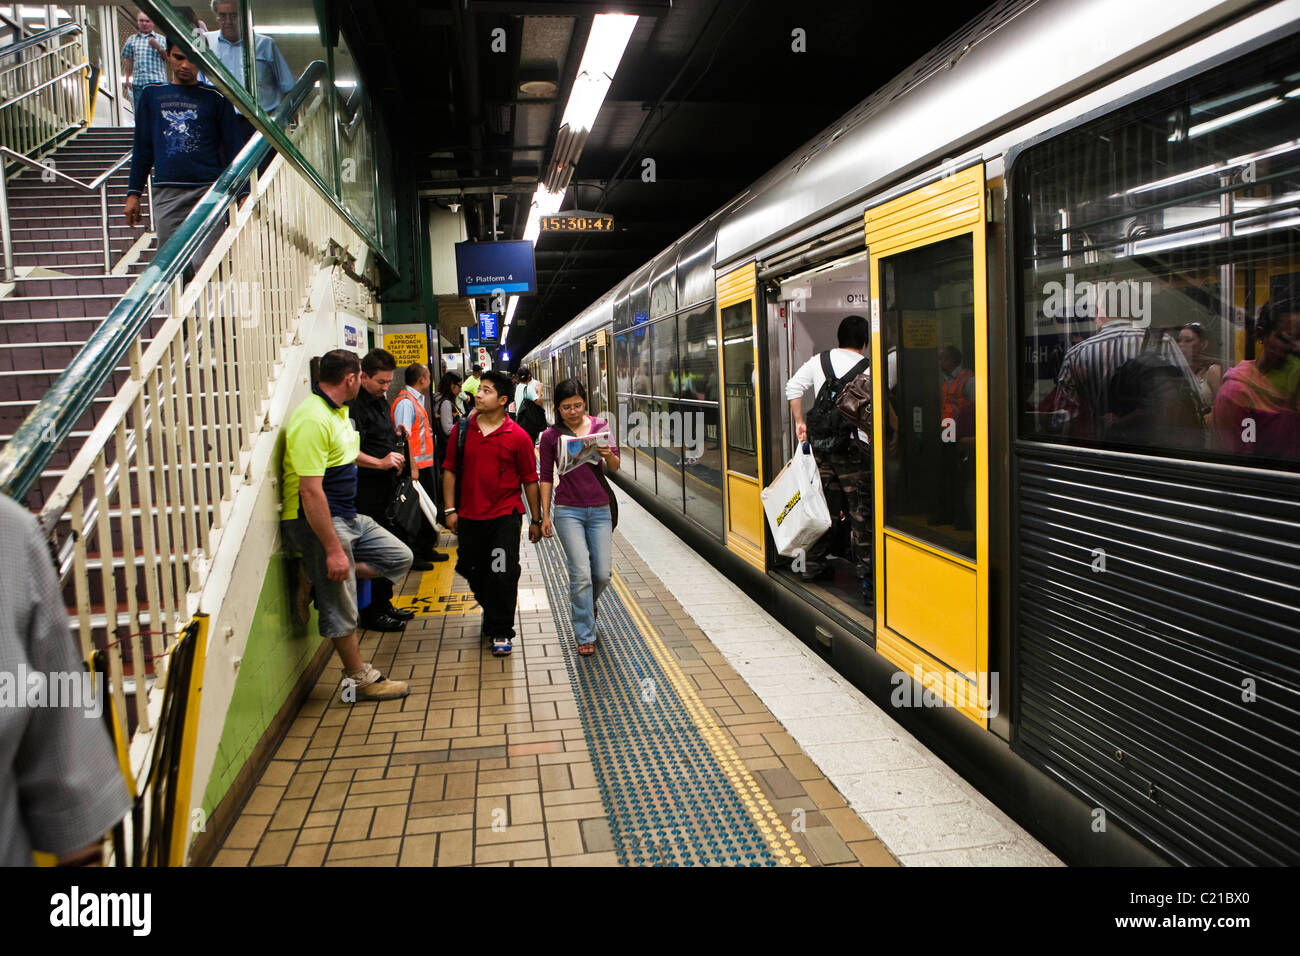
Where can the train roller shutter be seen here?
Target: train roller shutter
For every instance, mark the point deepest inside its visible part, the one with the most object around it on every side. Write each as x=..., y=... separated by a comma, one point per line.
x=1158, y=648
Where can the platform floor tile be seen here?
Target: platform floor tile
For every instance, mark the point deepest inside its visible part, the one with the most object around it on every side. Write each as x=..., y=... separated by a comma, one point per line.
x=532, y=760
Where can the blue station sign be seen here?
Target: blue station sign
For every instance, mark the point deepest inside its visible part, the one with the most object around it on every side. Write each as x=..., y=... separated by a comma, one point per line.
x=485, y=268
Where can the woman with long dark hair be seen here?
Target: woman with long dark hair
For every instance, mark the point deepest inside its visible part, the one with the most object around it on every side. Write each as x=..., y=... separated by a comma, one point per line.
x=581, y=515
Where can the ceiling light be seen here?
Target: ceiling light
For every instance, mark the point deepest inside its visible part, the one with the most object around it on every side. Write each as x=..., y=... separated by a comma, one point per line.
x=538, y=82
x=545, y=202
x=1208, y=127
x=288, y=29
x=605, y=45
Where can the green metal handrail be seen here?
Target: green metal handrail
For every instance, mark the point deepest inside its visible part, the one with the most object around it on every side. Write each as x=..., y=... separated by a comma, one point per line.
x=50, y=422
x=39, y=38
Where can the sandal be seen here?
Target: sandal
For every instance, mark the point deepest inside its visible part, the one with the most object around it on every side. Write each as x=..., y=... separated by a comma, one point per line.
x=586, y=650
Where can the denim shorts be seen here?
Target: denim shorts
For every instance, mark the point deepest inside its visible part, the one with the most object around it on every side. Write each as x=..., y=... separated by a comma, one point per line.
x=363, y=540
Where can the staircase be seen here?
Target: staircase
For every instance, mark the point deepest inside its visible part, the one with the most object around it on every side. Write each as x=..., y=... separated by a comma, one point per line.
x=62, y=293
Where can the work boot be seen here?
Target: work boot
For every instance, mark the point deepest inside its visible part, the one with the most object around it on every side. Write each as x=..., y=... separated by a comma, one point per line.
x=369, y=684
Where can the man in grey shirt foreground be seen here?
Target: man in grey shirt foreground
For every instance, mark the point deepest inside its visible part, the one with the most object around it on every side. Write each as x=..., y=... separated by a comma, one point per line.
x=60, y=786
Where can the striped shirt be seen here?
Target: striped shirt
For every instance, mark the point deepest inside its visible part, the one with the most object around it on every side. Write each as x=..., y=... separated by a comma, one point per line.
x=148, y=62
x=1087, y=368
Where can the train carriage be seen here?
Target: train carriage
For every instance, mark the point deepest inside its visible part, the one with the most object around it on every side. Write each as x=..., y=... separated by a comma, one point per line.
x=1082, y=210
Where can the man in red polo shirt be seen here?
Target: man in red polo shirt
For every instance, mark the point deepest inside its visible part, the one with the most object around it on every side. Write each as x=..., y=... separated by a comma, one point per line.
x=498, y=459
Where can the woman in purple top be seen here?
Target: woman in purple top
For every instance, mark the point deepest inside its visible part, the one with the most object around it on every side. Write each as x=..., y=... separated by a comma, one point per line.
x=580, y=514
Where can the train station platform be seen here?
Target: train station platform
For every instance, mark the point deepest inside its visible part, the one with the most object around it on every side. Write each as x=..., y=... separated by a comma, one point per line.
x=700, y=733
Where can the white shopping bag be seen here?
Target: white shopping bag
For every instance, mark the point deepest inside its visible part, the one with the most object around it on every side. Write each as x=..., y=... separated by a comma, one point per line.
x=795, y=504
x=427, y=506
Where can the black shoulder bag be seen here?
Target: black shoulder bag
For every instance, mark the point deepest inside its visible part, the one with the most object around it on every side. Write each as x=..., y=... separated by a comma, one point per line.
x=564, y=429
x=403, y=513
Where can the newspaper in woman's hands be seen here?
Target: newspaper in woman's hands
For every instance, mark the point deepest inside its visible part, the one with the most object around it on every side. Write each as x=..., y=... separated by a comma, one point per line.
x=580, y=450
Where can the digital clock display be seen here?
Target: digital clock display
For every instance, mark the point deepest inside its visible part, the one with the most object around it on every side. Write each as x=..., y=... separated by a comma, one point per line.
x=577, y=222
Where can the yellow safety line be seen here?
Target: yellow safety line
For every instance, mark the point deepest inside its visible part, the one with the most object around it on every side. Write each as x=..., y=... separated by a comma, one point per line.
x=742, y=781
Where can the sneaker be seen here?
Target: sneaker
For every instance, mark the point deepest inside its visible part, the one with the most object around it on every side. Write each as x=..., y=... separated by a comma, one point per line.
x=381, y=622
x=401, y=613
x=383, y=689
x=418, y=564
x=439, y=556
x=501, y=647
x=431, y=554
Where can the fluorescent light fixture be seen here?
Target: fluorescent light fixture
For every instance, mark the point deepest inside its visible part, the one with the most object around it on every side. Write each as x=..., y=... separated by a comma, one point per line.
x=544, y=203
x=510, y=309
x=1231, y=164
x=1255, y=109
x=605, y=45
x=288, y=29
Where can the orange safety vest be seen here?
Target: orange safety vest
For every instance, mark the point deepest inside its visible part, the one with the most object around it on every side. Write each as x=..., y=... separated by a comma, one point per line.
x=421, y=437
x=953, y=397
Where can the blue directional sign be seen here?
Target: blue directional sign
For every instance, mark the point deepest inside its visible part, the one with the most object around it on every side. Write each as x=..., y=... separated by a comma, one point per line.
x=483, y=268
x=488, y=328
x=472, y=336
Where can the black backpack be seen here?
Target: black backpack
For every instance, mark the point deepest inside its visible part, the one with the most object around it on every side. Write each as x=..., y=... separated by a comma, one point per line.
x=531, y=418
x=1153, y=402
x=828, y=430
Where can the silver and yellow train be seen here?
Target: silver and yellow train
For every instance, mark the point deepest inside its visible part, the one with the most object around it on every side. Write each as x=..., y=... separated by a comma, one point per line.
x=1093, y=209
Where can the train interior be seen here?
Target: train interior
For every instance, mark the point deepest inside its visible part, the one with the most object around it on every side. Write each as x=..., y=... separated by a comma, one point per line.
x=803, y=322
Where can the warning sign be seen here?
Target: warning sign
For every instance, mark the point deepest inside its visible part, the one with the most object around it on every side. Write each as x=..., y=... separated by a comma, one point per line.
x=920, y=333
x=409, y=348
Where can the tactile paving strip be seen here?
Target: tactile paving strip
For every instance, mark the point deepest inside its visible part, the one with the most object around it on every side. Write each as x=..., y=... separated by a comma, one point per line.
x=669, y=800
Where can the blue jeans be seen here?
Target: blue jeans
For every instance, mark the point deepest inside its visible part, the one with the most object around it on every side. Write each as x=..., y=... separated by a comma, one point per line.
x=587, y=536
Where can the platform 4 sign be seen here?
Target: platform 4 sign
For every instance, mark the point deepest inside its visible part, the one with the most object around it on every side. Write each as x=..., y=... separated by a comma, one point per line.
x=575, y=220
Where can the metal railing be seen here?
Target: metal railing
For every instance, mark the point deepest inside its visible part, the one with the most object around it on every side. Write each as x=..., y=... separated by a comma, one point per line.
x=49, y=174
x=148, y=493
x=45, y=96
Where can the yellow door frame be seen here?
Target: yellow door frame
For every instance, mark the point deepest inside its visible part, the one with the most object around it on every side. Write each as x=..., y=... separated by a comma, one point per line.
x=741, y=504
x=951, y=207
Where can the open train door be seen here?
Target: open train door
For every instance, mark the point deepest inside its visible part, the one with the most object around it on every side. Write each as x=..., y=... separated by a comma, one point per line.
x=930, y=444
x=741, y=430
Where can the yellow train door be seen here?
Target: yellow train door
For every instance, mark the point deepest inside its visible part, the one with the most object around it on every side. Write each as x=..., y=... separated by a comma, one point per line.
x=741, y=429
x=929, y=356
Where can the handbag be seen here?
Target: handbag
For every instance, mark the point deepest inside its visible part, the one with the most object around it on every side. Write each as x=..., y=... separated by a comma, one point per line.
x=600, y=476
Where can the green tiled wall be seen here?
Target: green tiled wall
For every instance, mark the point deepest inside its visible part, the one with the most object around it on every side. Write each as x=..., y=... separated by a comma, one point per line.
x=274, y=659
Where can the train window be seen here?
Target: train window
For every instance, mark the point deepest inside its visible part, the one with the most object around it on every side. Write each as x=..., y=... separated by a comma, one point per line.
x=622, y=366
x=741, y=378
x=697, y=349
x=638, y=341
x=664, y=367
x=1159, y=276
x=929, y=328
x=640, y=441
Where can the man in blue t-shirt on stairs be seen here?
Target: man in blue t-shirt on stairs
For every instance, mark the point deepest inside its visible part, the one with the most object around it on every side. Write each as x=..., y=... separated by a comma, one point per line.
x=187, y=134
